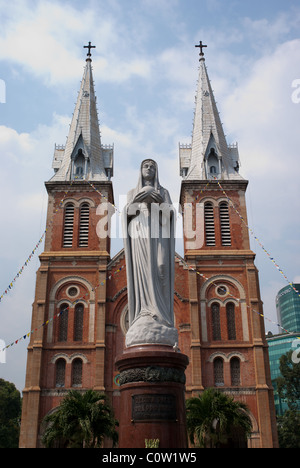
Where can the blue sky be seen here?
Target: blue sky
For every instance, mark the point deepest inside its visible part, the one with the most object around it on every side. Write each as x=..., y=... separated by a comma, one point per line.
x=145, y=69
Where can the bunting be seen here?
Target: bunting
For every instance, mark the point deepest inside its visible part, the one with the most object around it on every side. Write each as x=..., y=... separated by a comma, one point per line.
x=235, y=298
x=11, y=284
x=257, y=239
x=27, y=335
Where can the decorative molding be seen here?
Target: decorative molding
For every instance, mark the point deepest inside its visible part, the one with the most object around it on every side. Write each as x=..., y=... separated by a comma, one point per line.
x=152, y=374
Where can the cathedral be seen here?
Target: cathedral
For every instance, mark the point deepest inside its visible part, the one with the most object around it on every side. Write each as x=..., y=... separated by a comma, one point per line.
x=81, y=291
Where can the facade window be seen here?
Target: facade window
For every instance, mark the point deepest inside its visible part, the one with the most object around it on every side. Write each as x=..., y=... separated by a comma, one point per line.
x=78, y=322
x=235, y=371
x=230, y=314
x=209, y=222
x=77, y=373
x=68, y=225
x=60, y=372
x=219, y=372
x=84, y=225
x=63, y=322
x=79, y=165
x=225, y=224
x=216, y=325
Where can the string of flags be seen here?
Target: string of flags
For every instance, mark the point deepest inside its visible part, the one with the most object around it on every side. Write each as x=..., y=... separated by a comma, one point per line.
x=55, y=316
x=11, y=284
x=233, y=297
x=257, y=239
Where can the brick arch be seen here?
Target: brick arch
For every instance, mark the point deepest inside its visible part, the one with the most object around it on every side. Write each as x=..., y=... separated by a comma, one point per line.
x=227, y=279
x=52, y=303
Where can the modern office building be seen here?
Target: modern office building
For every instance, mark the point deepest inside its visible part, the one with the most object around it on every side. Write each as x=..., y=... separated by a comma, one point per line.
x=278, y=346
x=288, y=308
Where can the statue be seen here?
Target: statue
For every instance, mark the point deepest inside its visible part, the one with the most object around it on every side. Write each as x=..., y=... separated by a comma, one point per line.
x=149, y=240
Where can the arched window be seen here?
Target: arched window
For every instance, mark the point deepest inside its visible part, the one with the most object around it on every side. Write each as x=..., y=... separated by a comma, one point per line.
x=212, y=162
x=78, y=322
x=216, y=325
x=68, y=225
x=79, y=165
x=63, y=322
x=60, y=371
x=209, y=222
x=235, y=371
x=77, y=373
x=84, y=225
x=219, y=372
x=225, y=224
x=230, y=315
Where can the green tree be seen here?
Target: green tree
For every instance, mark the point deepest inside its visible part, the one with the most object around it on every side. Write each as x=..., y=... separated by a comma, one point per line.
x=82, y=420
x=288, y=383
x=212, y=416
x=289, y=430
x=10, y=414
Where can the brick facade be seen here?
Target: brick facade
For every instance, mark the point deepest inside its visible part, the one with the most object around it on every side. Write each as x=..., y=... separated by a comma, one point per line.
x=217, y=302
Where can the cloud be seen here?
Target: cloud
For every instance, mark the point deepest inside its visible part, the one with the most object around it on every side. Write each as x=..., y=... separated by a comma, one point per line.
x=40, y=39
x=261, y=115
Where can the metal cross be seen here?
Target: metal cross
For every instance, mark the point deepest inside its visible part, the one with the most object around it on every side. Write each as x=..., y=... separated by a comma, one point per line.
x=201, y=46
x=89, y=47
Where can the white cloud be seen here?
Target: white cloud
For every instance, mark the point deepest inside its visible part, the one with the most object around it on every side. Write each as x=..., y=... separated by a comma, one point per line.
x=47, y=40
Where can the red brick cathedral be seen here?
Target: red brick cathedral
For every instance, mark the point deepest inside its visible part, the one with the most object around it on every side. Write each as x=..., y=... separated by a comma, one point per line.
x=81, y=292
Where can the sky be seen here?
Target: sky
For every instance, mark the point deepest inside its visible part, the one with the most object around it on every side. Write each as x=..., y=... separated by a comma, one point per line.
x=145, y=69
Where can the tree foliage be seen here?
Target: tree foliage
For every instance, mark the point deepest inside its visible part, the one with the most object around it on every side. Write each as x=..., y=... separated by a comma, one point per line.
x=211, y=417
x=10, y=414
x=288, y=385
x=82, y=420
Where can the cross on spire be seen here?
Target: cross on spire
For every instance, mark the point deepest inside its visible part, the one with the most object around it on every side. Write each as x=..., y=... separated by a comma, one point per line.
x=201, y=46
x=89, y=47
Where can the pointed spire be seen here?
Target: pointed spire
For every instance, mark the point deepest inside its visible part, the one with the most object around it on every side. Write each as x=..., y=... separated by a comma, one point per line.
x=209, y=153
x=83, y=155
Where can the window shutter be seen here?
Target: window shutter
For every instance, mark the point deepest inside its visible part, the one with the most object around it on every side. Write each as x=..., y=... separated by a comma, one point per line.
x=84, y=225
x=225, y=224
x=68, y=225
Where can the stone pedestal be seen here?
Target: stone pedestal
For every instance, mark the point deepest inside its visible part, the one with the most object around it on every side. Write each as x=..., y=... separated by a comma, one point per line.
x=152, y=386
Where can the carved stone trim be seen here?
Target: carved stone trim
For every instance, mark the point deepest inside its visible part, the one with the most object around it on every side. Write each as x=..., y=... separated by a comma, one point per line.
x=152, y=374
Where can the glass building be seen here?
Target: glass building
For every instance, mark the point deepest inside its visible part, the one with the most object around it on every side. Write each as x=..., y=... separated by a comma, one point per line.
x=288, y=308
x=279, y=345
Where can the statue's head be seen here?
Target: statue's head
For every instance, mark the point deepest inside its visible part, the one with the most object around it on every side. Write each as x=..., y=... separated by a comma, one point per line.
x=149, y=168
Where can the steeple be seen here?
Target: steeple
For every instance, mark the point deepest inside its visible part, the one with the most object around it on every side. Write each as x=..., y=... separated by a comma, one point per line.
x=208, y=155
x=84, y=156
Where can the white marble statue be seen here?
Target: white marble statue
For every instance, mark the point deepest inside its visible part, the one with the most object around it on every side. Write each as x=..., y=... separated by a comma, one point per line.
x=149, y=227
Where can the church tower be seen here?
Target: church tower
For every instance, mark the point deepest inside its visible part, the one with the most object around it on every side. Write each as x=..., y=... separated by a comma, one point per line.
x=70, y=297
x=228, y=345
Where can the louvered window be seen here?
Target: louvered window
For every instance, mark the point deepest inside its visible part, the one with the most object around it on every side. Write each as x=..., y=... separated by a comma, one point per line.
x=60, y=371
x=68, y=225
x=209, y=224
x=219, y=372
x=78, y=322
x=77, y=373
x=230, y=313
x=225, y=224
x=84, y=225
x=216, y=324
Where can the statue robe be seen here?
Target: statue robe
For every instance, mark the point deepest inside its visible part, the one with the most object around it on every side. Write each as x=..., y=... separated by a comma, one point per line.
x=149, y=251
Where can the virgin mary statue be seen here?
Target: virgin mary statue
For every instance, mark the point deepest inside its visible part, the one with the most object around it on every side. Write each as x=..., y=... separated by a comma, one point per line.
x=149, y=226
